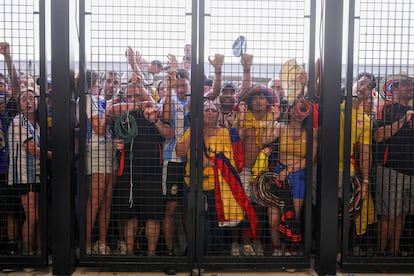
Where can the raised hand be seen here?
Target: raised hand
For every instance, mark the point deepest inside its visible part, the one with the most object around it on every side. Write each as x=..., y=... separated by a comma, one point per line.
x=5, y=48
x=138, y=58
x=135, y=78
x=246, y=61
x=129, y=54
x=172, y=61
x=217, y=62
x=275, y=110
x=150, y=111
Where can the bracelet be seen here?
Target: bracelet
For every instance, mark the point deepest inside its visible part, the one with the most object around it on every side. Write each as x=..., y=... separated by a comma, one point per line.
x=217, y=73
x=365, y=181
x=246, y=71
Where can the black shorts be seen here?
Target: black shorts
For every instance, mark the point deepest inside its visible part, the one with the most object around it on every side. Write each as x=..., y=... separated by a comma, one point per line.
x=9, y=198
x=24, y=189
x=175, y=181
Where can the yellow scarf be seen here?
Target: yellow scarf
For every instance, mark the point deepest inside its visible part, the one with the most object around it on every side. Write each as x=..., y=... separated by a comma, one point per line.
x=366, y=217
x=260, y=125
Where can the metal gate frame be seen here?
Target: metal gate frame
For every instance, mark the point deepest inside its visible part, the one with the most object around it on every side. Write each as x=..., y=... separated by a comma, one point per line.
x=44, y=213
x=62, y=13
x=61, y=67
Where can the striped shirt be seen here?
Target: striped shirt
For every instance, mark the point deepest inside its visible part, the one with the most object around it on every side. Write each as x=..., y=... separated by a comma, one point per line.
x=24, y=167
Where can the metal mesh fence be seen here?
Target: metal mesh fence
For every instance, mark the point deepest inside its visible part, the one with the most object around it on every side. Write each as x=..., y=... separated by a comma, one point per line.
x=382, y=95
x=20, y=167
x=255, y=139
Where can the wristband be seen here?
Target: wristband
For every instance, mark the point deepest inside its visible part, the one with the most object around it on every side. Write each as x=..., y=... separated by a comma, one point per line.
x=365, y=181
x=217, y=73
x=246, y=71
x=402, y=120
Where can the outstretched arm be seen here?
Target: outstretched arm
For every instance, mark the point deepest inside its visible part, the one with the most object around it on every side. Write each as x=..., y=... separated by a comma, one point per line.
x=385, y=132
x=246, y=61
x=11, y=69
x=167, y=106
x=217, y=63
x=274, y=128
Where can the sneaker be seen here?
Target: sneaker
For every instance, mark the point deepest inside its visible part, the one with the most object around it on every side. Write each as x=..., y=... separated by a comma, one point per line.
x=291, y=250
x=288, y=253
x=294, y=250
x=100, y=248
x=358, y=251
x=248, y=250
x=28, y=269
x=13, y=247
x=8, y=270
x=122, y=248
x=170, y=253
x=235, y=249
x=277, y=251
x=28, y=253
x=258, y=248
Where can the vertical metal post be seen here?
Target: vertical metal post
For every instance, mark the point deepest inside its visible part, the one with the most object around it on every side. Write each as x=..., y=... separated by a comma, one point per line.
x=43, y=126
x=347, y=129
x=310, y=129
x=196, y=159
x=327, y=193
x=62, y=62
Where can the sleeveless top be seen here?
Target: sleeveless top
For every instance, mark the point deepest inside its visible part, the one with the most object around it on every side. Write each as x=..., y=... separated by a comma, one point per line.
x=292, y=147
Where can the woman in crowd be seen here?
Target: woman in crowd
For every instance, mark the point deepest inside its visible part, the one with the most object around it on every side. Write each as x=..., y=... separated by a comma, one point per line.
x=24, y=166
x=292, y=155
x=227, y=202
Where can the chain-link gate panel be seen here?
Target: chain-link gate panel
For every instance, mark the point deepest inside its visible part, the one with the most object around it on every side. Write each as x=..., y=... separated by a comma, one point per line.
x=257, y=65
x=136, y=57
x=377, y=230
x=139, y=89
x=25, y=149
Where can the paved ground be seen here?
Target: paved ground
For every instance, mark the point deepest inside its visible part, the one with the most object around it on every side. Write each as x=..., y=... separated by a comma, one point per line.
x=98, y=272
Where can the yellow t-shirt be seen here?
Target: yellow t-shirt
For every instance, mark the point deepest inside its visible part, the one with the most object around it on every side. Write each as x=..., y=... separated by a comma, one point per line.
x=219, y=143
x=360, y=132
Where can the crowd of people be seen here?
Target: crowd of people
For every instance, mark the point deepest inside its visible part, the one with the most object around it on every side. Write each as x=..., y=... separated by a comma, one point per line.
x=255, y=156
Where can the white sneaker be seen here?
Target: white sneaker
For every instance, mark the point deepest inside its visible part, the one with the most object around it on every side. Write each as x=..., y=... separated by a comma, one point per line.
x=258, y=248
x=277, y=252
x=122, y=248
x=235, y=249
x=100, y=248
x=248, y=250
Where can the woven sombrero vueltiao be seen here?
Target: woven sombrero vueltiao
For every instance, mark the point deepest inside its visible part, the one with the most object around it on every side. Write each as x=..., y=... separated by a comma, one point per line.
x=266, y=190
x=389, y=81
